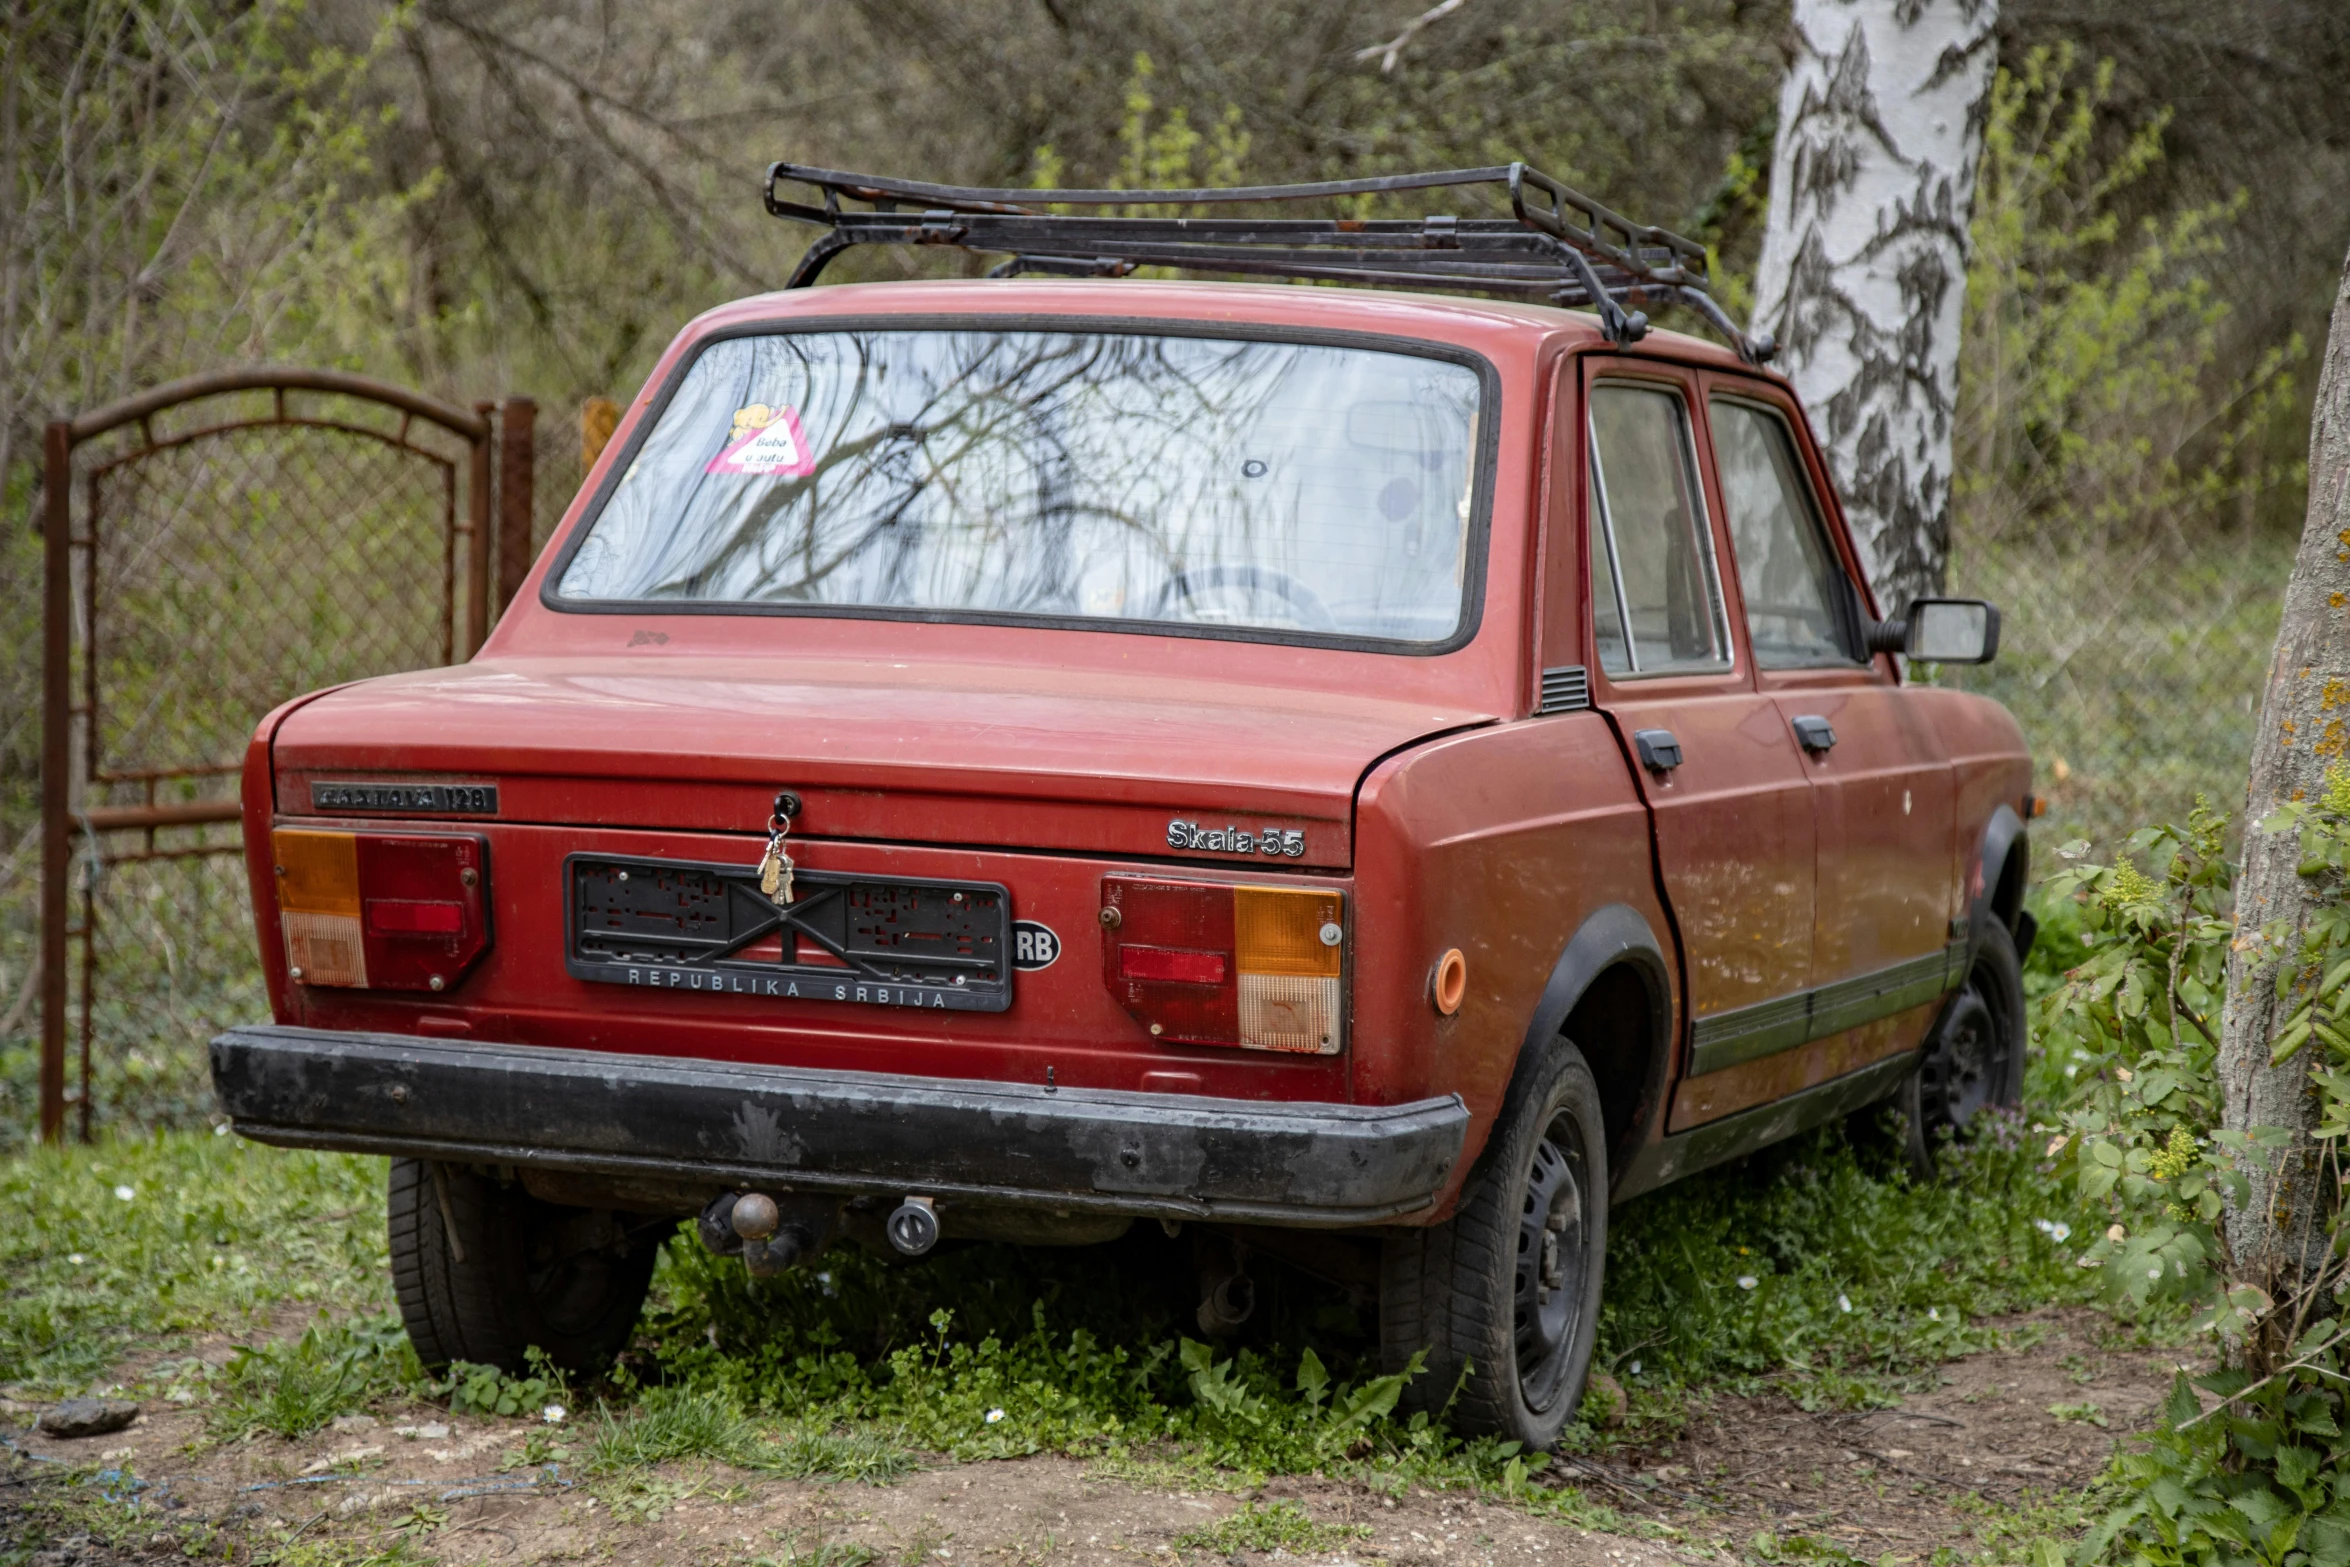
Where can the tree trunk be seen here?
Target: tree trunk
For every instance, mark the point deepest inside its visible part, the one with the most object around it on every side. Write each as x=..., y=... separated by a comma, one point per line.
x=2277, y=1237
x=1863, y=273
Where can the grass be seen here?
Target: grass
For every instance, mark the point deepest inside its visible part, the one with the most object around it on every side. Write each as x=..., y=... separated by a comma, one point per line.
x=1270, y=1526
x=818, y=1553
x=140, y=1245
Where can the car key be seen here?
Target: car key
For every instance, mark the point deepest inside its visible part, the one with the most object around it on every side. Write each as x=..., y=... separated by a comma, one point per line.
x=775, y=867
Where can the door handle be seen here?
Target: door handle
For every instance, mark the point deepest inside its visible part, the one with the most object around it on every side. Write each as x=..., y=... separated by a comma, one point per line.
x=1814, y=733
x=1659, y=751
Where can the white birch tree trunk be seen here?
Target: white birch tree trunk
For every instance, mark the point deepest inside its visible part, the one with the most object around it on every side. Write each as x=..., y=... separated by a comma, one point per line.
x=1863, y=273
x=2278, y=1237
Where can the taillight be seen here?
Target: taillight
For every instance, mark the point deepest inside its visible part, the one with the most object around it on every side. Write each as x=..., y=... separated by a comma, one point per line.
x=1204, y=963
x=380, y=911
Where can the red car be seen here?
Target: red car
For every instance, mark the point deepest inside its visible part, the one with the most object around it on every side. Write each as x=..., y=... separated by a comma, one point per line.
x=1371, y=776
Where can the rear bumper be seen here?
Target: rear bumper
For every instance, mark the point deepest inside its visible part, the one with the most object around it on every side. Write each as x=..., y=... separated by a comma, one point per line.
x=1162, y=1155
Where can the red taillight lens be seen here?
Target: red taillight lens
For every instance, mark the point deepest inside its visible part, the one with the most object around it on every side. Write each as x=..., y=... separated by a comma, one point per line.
x=1173, y=965
x=394, y=917
x=381, y=911
x=1205, y=963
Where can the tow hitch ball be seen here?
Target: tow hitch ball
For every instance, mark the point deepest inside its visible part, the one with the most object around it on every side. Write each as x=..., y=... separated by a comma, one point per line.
x=749, y=1225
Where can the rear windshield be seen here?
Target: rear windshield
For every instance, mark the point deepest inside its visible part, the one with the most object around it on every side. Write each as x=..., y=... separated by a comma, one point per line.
x=1258, y=487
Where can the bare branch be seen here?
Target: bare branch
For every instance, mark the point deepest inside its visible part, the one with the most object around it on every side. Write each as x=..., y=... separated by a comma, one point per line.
x=1392, y=50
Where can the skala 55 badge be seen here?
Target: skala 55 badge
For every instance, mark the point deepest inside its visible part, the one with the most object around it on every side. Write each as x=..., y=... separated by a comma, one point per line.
x=1274, y=843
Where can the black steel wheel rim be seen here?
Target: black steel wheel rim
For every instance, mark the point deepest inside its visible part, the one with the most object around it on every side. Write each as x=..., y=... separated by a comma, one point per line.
x=1552, y=1263
x=573, y=1296
x=572, y=1272
x=1962, y=1073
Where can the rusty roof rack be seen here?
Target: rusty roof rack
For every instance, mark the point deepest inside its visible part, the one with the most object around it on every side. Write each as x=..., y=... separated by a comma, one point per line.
x=1556, y=243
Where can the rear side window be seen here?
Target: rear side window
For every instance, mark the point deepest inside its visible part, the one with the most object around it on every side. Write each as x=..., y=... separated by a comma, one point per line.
x=1794, y=590
x=1656, y=599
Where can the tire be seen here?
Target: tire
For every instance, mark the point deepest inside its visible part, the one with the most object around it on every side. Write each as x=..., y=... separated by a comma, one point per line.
x=521, y=1273
x=1470, y=1292
x=1974, y=1059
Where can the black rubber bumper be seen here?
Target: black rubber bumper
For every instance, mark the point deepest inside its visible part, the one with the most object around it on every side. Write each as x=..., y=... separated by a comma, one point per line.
x=1164, y=1155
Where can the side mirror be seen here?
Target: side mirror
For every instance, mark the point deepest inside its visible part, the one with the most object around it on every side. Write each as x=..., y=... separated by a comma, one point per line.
x=1941, y=631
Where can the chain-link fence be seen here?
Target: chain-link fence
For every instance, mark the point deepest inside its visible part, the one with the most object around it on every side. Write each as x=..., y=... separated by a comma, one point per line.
x=2136, y=672
x=565, y=447
x=229, y=573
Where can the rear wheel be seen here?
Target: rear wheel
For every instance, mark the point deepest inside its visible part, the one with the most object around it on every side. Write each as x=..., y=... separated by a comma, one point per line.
x=1974, y=1063
x=484, y=1271
x=1507, y=1290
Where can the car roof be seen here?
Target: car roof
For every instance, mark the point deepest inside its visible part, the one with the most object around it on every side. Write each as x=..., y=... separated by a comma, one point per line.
x=1441, y=317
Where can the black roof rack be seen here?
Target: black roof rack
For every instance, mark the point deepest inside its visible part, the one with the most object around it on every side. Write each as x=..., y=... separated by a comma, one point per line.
x=1556, y=243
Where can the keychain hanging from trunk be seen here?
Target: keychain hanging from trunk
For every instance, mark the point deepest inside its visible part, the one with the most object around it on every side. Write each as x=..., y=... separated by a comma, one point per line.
x=776, y=867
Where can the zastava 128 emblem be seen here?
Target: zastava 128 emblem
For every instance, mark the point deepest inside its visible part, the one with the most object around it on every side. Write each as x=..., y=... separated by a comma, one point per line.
x=1274, y=843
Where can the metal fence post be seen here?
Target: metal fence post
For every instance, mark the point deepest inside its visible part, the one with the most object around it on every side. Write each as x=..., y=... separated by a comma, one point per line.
x=477, y=530
x=56, y=764
x=516, y=439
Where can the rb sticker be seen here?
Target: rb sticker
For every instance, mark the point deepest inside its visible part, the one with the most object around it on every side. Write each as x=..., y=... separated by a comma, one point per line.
x=765, y=441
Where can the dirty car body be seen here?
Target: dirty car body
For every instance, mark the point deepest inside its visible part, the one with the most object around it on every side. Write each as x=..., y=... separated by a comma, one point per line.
x=1223, y=736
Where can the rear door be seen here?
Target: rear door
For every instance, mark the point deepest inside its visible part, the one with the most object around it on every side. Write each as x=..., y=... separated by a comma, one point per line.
x=1730, y=805
x=1882, y=951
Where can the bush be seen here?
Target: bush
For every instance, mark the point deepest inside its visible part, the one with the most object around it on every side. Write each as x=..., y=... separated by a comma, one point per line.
x=2262, y=1474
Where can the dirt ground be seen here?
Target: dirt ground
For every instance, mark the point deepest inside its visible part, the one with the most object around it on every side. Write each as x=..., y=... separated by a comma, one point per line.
x=1889, y=1483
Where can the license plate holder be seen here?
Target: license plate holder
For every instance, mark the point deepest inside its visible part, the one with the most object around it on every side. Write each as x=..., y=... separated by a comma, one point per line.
x=690, y=925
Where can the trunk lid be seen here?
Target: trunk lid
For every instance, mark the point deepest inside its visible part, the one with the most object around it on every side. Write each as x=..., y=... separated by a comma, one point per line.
x=906, y=751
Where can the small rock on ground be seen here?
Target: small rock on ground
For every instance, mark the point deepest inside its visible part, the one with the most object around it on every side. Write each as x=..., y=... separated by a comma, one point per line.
x=89, y=1417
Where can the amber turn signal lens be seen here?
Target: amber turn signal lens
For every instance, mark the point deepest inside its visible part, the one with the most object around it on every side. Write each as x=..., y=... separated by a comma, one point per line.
x=317, y=872
x=1450, y=983
x=1285, y=930
x=318, y=906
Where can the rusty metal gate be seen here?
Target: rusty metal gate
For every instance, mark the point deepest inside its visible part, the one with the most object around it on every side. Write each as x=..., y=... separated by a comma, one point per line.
x=212, y=548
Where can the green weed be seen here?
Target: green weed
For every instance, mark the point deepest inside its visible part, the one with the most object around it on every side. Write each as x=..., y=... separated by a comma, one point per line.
x=400, y=1550
x=641, y=1496
x=835, y=1455
x=688, y=1422
x=822, y=1553
x=489, y=1392
x=333, y=1369
x=1270, y=1526
x=1802, y=1548
x=670, y=1423
x=540, y=1447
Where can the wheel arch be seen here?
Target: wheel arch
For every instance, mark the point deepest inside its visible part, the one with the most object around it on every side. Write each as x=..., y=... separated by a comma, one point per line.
x=1611, y=992
x=2001, y=872
x=1995, y=895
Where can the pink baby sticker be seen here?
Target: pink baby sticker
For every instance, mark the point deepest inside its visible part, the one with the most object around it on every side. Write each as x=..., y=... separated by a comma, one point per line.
x=765, y=440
